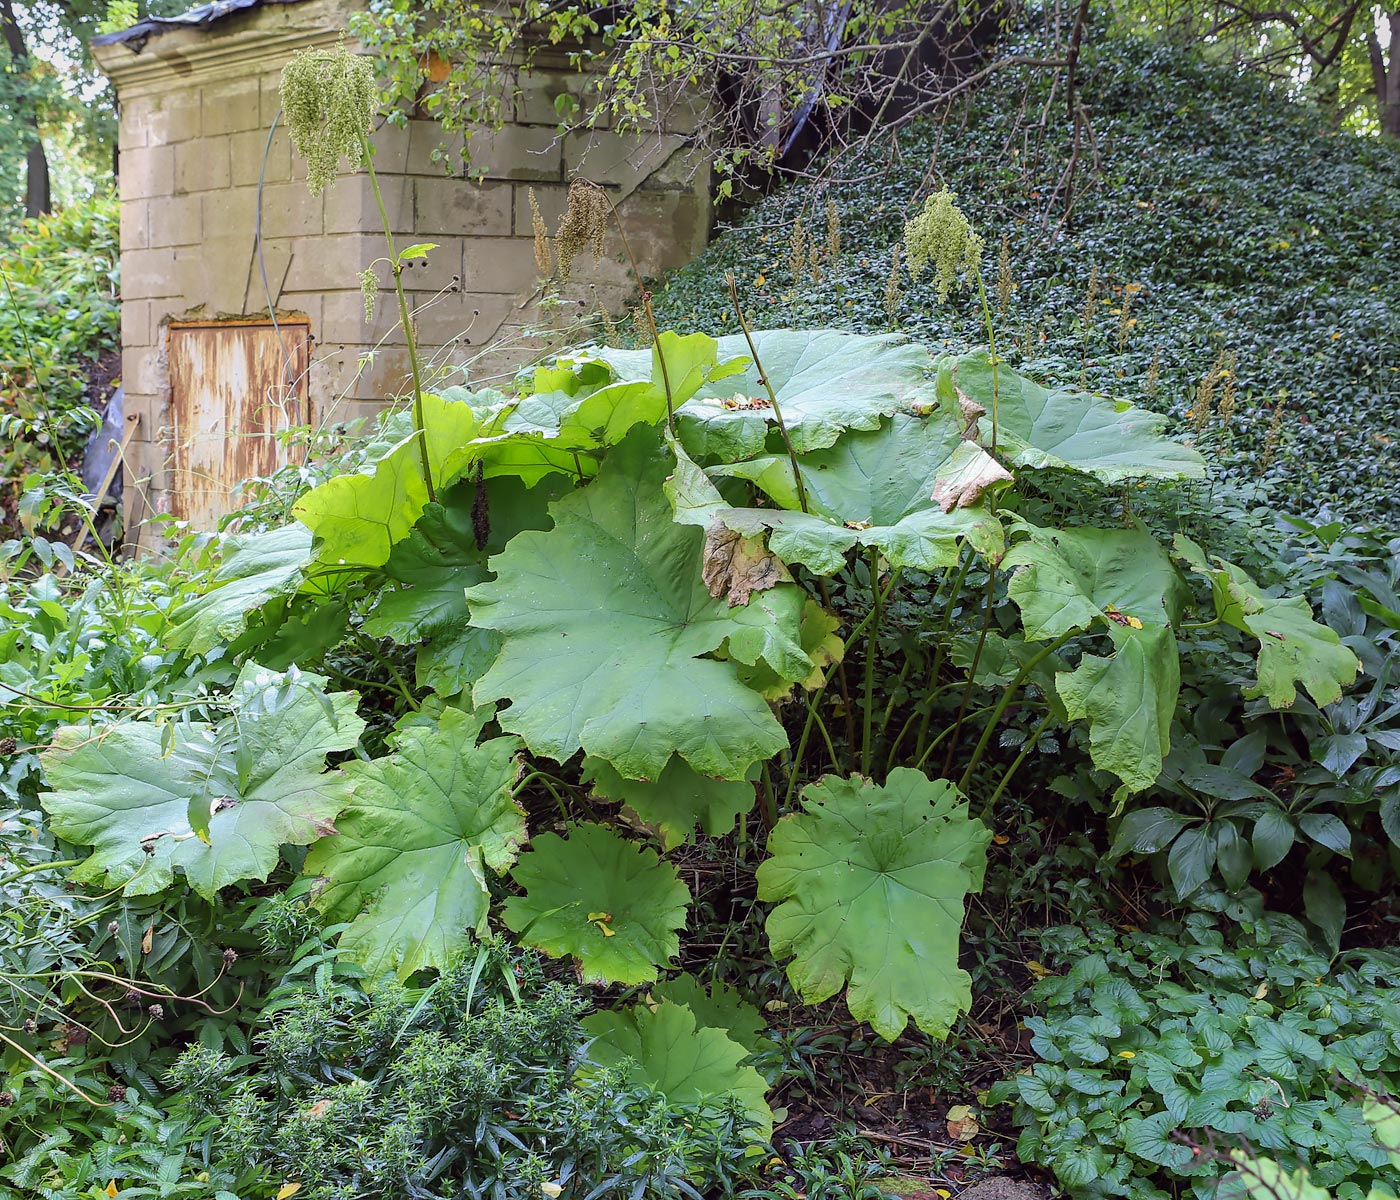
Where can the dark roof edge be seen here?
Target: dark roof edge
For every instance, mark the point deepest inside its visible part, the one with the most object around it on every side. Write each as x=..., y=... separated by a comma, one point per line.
x=204, y=15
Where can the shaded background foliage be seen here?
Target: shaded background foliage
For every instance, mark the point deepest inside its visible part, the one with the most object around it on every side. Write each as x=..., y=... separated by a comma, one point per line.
x=1243, y=222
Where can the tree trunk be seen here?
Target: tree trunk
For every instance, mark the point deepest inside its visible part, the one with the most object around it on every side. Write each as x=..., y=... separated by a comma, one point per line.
x=37, y=197
x=1385, y=76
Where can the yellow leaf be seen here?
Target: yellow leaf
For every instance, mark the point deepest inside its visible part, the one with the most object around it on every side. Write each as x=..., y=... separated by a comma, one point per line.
x=111, y=1188
x=552, y=1190
x=288, y=1189
x=944, y=1193
x=147, y=938
x=1261, y=991
x=962, y=1125
x=1126, y=1054
x=1001, y=839
x=1039, y=970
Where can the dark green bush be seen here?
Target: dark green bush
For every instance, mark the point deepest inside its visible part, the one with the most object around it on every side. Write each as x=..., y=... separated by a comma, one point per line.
x=59, y=313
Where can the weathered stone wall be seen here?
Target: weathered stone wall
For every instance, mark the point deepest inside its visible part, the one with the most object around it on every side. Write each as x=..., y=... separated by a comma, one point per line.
x=196, y=108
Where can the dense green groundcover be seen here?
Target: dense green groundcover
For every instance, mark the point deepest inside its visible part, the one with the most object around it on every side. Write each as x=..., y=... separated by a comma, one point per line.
x=1243, y=223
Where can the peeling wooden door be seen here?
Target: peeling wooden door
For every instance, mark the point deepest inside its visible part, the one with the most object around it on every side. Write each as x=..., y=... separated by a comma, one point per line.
x=234, y=385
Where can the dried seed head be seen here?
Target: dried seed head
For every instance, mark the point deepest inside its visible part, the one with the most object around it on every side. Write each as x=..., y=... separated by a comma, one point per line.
x=8, y=745
x=1205, y=399
x=1006, y=284
x=1271, y=441
x=611, y=335
x=1229, y=385
x=544, y=255
x=1125, y=319
x=1153, y=376
x=328, y=97
x=893, y=294
x=798, y=253
x=641, y=326
x=116, y=1094
x=584, y=225
x=230, y=956
x=156, y=1012
x=1091, y=298
x=942, y=235
x=833, y=232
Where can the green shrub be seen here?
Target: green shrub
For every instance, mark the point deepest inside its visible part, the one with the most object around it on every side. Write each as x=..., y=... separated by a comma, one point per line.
x=1245, y=1037
x=59, y=313
x=479, y=1085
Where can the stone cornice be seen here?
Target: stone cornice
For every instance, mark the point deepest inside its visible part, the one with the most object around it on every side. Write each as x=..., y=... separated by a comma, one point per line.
x=240, y=44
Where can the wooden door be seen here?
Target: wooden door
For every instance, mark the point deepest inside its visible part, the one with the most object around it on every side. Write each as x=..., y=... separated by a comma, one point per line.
x=234, y=386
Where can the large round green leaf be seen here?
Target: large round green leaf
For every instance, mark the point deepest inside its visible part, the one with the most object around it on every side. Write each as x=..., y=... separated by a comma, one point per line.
x=663, y=1048
x=358, y=518
x=718, y=1007
x=252, y=783
x=1293, y=648
x=826, y=381
x=872, y=882
x=406, y=865
x=876, y=489
x=1071, y=430
x=605, y=622
x=1123, y=582
x=256, y=568
x=609, y=903
x=677, y=801
x=1068, y=579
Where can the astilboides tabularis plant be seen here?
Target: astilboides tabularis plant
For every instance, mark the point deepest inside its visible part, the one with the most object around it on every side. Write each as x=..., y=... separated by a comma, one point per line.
x=654, y=583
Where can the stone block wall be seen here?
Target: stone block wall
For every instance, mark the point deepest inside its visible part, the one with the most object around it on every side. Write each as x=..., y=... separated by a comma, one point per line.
x=197, y=165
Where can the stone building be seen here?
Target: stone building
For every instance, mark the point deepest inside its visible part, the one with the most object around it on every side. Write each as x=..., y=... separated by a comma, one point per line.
x=228, y=337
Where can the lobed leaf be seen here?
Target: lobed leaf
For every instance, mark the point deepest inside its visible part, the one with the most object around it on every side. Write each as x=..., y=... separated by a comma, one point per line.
x=871, y=882
x=612, y=905
x=406, y=866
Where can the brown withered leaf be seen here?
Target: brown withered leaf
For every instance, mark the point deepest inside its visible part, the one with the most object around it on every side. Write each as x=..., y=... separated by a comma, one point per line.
x=738, y=566
x=967, y=474
x=971, y=413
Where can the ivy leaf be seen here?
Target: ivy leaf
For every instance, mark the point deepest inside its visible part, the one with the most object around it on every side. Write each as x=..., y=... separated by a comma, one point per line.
x=1128, y=700
x=612, y=905
x=604, y=622
x=677, y=801
x=358, y=518
x=871, y=882
x=256, y=568
x=870, y=489
x=126, y=789
x=1070, y=430
x=721, y=1007
x=665, y=1048
x=1293, y=648
x=406, y=866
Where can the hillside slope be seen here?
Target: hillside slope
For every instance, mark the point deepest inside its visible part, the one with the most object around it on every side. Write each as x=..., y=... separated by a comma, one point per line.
x=1239, y=223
